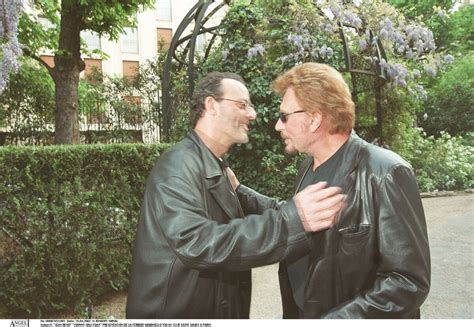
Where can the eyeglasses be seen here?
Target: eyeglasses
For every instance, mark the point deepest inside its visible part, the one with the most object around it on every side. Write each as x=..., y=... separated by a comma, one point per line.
x=283, y=115
x=242, y=104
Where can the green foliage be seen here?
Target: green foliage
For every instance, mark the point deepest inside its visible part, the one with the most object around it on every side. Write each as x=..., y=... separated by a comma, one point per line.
x=27, y=104
x=34, y=36
x=399, y=109
x=108, y=18
x=268, y=29
x=445, y=163
x=422, y=8
x=261, y=163
x=68, y=218
x=59, y=33
x=460, y=31
x=434, y=13
x=450, y=105
x=454, y=31
x=399, y=117
x=115, y=102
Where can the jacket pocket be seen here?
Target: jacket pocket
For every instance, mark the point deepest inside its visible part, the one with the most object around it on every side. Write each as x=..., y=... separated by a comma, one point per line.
x=354, y=231
x=354, y=260
x=352, y=239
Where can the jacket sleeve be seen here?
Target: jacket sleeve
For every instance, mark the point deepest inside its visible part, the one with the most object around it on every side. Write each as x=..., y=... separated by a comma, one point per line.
x=200, y=242
x=253, y=202
x=403, y=264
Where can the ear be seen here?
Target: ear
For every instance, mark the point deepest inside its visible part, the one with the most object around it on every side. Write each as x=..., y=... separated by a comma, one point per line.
x=209, y=105
x=316, y=121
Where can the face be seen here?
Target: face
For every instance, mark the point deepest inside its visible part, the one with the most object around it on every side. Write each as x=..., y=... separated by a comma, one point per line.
x=295, y=132
x=235, y=113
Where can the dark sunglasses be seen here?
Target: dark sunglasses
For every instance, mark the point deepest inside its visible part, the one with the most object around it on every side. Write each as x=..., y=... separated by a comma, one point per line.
x=283, y=115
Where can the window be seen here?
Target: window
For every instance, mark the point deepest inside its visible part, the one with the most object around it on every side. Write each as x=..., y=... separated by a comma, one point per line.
x=130, y=69
x=92, y=40
x=133, y=113
x=163, y=10
x=93, y=67
x=164, y=36
x=130, y=40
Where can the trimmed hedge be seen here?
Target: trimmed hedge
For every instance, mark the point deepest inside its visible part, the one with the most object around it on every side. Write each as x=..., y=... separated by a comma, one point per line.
x=68, y=219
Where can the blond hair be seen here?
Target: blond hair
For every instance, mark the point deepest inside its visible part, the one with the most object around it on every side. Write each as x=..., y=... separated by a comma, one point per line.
x=320, y=88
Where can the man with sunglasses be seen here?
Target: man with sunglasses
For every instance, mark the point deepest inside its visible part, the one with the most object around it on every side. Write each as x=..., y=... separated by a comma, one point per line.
x=194, y=246
x=375, y=261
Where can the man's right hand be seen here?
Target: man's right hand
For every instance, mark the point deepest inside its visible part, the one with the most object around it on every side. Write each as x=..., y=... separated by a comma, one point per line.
x=318, y=206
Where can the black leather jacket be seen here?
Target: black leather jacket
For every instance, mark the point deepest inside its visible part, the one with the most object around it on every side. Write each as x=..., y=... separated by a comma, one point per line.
x=375, y=263
x=193, y=251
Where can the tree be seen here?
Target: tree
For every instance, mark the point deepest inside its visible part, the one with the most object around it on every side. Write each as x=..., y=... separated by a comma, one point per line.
x=451, y=100
x=67, y=18
x=460, y=31
x=452, y=28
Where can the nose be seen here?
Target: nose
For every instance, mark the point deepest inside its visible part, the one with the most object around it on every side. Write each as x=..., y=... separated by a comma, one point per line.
x=251, y=113
x=279, y=126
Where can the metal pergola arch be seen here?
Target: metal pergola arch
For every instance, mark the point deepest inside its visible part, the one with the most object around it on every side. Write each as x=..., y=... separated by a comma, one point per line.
x=197, y=16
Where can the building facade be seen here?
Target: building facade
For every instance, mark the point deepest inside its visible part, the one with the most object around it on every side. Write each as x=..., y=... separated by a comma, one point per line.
x=154, y=31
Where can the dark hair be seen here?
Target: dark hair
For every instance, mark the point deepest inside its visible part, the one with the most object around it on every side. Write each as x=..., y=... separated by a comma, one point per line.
x=210, y=85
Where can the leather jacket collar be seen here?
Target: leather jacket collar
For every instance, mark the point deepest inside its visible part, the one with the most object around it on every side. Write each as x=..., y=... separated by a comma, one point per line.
x=210, y=163
x=349, y=162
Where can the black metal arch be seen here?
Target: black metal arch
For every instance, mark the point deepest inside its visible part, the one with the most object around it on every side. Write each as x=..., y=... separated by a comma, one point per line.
x=365, y=74
x=197, y=16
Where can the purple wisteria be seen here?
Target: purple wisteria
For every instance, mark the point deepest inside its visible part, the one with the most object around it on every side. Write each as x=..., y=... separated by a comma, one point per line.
x=368, y=27
x=224, y=54
x=326, y=52
x=430, y=70
x=418, y=91
x=304, y=44
x=449, y=58
x=396, y=72
x=10, y=11
x=412, y=41
x=257, y=49
x=352, y=19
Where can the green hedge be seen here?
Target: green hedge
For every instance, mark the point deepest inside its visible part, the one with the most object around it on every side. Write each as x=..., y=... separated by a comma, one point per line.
x=67, y=222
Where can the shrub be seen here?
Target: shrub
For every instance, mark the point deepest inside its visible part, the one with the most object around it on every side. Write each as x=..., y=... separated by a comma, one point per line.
x=27, y=105
x=68, y=218
x=450, y=105
x=444, y=163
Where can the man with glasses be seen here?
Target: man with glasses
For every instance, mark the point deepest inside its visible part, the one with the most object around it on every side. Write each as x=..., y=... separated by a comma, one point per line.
x=194, y=246
x=375, y=261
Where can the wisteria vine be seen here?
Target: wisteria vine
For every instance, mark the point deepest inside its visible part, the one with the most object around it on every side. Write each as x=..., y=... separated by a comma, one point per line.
x=10, y=49
x=409, y=44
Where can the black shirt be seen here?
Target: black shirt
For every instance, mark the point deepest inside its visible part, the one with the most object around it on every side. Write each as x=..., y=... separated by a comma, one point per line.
x=297, y=269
